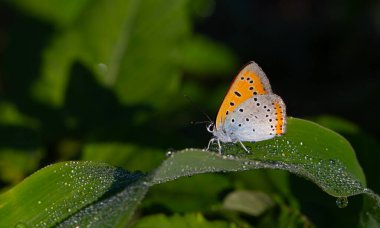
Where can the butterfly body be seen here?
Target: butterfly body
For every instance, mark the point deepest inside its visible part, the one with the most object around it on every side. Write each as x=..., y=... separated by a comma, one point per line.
x=250, y=111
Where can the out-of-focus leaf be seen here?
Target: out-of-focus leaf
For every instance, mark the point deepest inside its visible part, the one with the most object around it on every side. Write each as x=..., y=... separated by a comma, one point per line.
x=202, y=8
x=197, y=193
x=370, y=216
x=11, y=116
x=19, y=150
x=16, y=164
x=129, y=48
x=128, y=156
x=60, y=13
x=266, y=180
x=125, y=45
x=188, y=220
x=284, y=216
x=201, y=56
x=252, y=203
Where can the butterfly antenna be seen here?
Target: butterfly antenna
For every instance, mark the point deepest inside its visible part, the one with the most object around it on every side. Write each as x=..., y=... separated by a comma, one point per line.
x=199, y=109
x=199, y=122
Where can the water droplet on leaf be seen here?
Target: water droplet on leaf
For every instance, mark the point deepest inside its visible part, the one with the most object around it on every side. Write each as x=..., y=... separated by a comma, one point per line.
x=169, y=153
x=342, y=202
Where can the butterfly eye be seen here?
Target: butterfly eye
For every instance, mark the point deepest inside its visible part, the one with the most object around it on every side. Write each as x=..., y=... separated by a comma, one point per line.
x=211, y=128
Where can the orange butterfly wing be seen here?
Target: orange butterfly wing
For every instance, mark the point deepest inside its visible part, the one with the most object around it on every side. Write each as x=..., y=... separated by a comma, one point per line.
x=250, y=81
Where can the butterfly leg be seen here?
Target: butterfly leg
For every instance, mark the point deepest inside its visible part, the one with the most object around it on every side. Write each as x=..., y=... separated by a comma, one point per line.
x=245, y=148
x=220, y=147
x=209, y=143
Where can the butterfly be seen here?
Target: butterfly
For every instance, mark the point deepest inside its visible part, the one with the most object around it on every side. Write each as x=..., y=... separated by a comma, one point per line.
x=250, y=111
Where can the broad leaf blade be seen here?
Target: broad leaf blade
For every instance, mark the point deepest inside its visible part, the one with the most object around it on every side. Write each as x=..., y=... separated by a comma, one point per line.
x=93, y=194
x=306, y=149
x=56, y=192
x=113, y=211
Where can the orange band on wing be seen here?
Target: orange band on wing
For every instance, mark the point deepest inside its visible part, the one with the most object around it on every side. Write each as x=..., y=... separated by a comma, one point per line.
x=246, y=84
x=258, y=86
x=279, y=118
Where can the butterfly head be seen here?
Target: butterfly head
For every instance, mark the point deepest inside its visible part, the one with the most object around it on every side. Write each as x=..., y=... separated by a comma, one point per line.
x=211, y=127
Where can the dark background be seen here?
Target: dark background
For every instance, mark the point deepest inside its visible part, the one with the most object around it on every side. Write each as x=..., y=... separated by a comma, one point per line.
x=321, y=56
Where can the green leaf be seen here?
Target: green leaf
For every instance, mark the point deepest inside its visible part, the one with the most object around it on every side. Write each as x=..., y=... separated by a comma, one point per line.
x=201, y=56
x=131, y=46
x=181, y=195
x=370, y=215
x=61, y=13
x=266, y=180
x=11, y=116
x=306, y=149
x=132, y=31
x=367, y=150
x=19, y=150
x=337, y=124
x=252, y=203
x=15, y=164
x=57, y=192
x=123, y=155
x=115, y=210
x=93, y=194
x=189, y=221
x=284, y=216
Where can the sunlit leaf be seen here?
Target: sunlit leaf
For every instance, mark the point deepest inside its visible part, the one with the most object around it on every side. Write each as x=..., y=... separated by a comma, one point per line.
x=57, y=192
x=306, y=149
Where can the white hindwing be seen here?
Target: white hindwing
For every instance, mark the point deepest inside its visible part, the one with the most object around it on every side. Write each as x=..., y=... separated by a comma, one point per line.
x=253, y=120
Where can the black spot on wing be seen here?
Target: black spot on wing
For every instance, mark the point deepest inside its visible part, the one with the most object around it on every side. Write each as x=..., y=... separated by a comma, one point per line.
x=237, y=94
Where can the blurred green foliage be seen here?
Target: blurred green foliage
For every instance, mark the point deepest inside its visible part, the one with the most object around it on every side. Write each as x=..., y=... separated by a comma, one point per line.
x=99, y=77
x=104, y=81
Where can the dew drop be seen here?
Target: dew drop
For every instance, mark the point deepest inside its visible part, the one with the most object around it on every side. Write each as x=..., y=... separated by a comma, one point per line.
x=231, y=157
x=342, y=202
x=20, y=225
x=169, y=153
